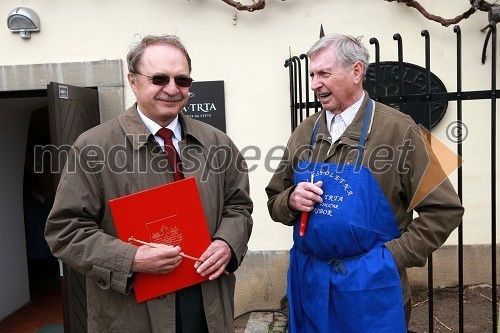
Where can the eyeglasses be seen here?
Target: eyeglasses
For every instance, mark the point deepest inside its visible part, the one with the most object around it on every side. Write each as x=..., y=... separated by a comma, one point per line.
x=163, y=80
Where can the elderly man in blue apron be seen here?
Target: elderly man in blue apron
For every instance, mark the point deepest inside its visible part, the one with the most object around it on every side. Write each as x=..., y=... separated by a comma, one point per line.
x=349, y=181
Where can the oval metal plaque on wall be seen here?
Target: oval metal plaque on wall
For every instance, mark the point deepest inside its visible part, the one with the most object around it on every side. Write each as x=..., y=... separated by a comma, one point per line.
x=414, y=83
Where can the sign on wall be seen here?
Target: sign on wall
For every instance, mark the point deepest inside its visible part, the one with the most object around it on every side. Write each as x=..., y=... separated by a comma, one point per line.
x=413, y=83
x=206, y=103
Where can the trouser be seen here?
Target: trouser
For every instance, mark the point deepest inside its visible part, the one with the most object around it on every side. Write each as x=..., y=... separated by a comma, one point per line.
x=407, y=313
x=189, y=312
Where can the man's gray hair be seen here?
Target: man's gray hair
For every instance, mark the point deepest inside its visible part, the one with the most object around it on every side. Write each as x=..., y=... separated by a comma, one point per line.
x=348, y=49
x=134, y=56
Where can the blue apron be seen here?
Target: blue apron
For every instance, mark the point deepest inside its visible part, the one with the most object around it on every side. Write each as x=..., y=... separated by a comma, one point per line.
x=341, y=277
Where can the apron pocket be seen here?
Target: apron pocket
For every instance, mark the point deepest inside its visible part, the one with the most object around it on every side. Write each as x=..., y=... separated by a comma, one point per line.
x=368, y=298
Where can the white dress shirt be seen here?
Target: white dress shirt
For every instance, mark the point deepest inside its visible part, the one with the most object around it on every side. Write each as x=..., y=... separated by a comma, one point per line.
x=153, y=127
x=338, y=123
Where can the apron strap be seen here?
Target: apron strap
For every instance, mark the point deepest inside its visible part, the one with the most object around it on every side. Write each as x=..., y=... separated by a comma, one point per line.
x=362, y=139
x=313, y=139
x=364, y=131
x=338, y=264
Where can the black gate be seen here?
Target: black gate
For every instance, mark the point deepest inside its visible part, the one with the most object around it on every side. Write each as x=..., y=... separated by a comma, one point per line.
x=431, y=104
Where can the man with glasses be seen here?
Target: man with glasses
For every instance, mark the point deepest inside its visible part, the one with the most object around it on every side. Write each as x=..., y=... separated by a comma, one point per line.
x=127, y=157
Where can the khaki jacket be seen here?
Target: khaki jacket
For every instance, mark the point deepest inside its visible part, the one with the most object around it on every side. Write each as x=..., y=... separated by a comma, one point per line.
x=398, y=156
x=120, y=157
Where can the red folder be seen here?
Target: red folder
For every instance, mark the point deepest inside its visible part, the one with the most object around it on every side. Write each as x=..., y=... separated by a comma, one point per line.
x=170, y=214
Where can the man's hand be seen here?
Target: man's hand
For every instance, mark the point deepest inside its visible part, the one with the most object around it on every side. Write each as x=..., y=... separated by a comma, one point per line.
x=305, y=196
x=216, y=257
x=156, y=260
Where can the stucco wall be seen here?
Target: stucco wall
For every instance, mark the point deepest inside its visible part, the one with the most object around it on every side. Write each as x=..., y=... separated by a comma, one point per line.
x=247, y=51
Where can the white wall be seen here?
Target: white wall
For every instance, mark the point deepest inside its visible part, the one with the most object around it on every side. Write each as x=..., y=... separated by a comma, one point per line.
x=13, y=134
x=248, y=54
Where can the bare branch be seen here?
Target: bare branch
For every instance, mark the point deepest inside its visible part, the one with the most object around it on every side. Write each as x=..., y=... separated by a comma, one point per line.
x=444, y=22
x=481, y=5
x=439, y=321
x=260, y=4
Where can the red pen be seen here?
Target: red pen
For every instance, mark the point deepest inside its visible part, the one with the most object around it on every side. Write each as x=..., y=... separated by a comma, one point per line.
x=304, y=216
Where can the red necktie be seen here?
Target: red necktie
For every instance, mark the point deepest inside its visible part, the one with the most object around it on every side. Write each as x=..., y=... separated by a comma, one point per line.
x=173, y=157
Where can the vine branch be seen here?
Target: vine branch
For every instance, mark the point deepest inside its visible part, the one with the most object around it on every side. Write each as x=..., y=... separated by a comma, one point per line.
x=260, y=4
x=475, y=5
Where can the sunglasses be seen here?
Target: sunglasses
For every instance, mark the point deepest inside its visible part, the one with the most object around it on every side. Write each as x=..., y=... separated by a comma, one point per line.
x=163, y=80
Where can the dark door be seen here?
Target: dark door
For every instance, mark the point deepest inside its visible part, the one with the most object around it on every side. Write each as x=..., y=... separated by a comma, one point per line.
x=72, y=110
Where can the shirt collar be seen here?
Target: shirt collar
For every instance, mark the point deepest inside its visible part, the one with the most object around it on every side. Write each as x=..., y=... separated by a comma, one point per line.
x=348, y=114
x=154, y=127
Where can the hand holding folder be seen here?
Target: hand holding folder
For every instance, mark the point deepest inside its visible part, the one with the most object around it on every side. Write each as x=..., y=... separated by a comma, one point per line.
x=178, y=221
x=133, y=240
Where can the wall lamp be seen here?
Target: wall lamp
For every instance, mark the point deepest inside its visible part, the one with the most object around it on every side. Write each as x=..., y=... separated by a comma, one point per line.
x=24, y=21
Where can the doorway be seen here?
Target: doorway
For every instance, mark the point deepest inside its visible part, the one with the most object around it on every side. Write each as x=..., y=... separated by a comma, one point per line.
x=33, y=285
x=23, y=122
x=38, y=197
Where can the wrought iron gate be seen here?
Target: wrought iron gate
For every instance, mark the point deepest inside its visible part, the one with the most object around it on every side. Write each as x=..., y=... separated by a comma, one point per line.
x=302, y=105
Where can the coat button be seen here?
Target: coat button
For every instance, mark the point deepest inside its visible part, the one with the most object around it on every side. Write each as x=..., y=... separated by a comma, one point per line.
x=101, y=282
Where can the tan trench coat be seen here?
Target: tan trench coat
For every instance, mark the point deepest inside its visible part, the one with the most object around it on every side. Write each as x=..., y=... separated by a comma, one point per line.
x=120, y=157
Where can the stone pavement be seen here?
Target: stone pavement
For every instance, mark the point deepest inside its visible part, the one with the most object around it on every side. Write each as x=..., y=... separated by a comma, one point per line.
x=262, y=322
x=477, y=312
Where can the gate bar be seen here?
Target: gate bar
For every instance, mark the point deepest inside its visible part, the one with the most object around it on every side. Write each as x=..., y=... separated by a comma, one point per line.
x=457, y=31
x=493, y=176
x=430, y=265
x=397, y=37
x=374, y=41
x=306, y=66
